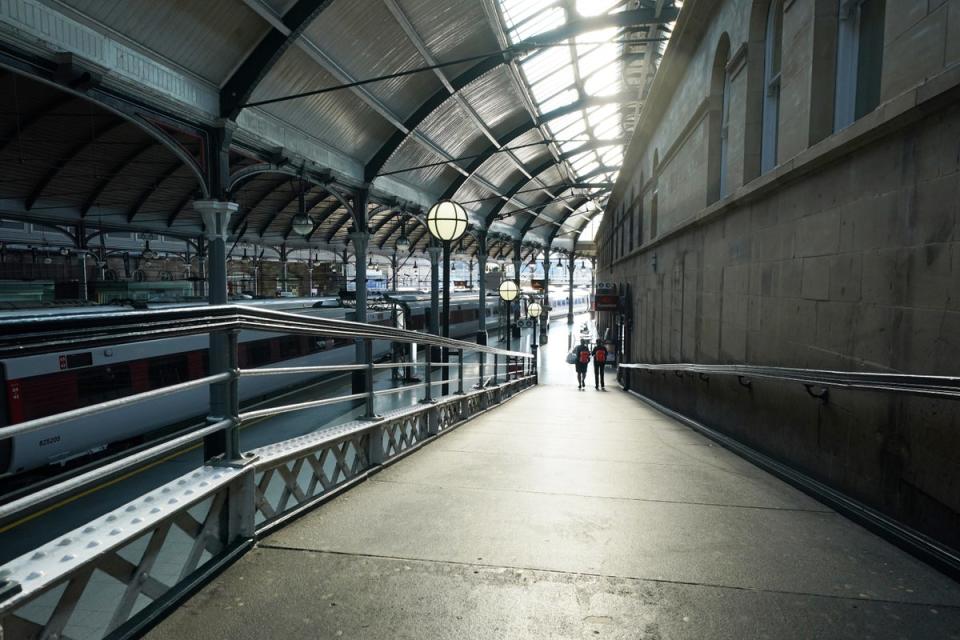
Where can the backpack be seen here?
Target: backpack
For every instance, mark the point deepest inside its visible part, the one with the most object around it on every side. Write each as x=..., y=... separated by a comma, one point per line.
x=584, y=357
x=600, y=355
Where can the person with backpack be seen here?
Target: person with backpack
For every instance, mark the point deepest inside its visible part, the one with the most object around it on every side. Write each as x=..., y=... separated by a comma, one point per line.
x=599, y=364
x=581, y=358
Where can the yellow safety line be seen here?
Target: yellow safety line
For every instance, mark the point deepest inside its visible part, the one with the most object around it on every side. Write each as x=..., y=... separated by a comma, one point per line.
x=93, y=490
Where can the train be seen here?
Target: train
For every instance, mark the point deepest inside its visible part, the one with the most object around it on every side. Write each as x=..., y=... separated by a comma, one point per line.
x=41, y=385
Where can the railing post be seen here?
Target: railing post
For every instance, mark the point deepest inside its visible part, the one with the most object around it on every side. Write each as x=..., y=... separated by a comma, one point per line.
x=496, y=365
x=428, y=375
x=371, y=413
x=233, y=453
x=483, y=360
x=460, y=376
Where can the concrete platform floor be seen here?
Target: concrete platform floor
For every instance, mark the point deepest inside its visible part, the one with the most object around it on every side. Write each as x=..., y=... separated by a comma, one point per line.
x=572, y=514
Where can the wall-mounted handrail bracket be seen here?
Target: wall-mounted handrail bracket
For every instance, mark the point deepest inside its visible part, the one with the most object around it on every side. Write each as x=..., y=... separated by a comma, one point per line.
x=819, y=392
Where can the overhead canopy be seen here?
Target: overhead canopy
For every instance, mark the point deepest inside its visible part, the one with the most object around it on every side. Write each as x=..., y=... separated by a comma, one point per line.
x=521, y=113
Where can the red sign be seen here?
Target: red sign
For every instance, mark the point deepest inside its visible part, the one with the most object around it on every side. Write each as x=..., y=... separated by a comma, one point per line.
x=606, y=302
x=63, y=362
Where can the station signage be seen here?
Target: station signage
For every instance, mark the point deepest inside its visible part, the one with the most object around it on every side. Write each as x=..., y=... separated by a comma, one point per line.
x=606, y=298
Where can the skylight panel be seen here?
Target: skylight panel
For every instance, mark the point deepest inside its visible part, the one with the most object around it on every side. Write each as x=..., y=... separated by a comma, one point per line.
x=613, y=157
x=580, y=163
x=595, y=7
x=612, y=129
x=567, y=147
x=544, y=21
x=561, y=123
x=562, y=99
x=548, y=60
x=592, y=58
x=576, y=128
x=552, y=84
x=605, y=82
x=598, y=115
x=519, y=11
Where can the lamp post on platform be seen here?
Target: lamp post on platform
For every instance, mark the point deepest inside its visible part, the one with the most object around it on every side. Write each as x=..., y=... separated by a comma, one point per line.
x=447, y=222
x=534, y=309
x=508, y=293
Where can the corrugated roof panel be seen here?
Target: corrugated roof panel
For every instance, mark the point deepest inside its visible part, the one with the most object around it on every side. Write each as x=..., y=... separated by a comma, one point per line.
x=495, y=97
x=207, y=38
x=451, y=128
x=451, y=30
x=367, y=41
x=413, y=154
x=338, y=118
x=499, y=170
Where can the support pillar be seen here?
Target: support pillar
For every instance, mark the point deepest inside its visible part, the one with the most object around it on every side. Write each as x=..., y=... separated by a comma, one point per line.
x=482, y=288
x=223, y=396
x=359, y=240
x=572, y=264
x=545, y=324
x=517, y=265
x=482, y=308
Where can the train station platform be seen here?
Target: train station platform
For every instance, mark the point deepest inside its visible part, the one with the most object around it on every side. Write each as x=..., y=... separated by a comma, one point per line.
x=572, y=514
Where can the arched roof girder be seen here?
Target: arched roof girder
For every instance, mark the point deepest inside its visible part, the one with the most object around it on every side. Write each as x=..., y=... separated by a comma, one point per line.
x=529, y=223
x=432, y=103
x=487, y=153
x=539, y=170
x=240, y=86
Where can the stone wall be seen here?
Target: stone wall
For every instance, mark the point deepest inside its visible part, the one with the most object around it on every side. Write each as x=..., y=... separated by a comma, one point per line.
x=845, y=256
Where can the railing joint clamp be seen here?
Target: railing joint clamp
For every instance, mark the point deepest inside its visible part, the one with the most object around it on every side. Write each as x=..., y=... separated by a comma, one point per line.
x=247, y=459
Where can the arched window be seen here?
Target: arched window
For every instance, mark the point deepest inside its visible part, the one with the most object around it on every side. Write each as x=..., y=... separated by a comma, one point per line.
x=773, y=47
x=718, y=122
x=859, y=59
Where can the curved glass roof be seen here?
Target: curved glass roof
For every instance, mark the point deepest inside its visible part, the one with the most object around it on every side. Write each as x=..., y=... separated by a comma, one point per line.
x=595, y=63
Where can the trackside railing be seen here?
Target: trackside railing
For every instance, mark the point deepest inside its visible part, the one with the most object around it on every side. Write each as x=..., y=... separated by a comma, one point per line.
x=117, y=574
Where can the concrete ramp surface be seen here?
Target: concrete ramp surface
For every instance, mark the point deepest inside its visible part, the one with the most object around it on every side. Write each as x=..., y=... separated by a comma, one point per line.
x=572, y=514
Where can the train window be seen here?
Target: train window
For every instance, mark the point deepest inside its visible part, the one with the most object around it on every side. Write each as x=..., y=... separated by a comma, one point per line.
x=168, y=370
x=258, y=353
x=46, y=395
x=103, y=383
x=289, y=347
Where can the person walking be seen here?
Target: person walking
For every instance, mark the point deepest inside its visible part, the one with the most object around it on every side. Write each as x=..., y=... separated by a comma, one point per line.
x=581, y=354
x=599, y=364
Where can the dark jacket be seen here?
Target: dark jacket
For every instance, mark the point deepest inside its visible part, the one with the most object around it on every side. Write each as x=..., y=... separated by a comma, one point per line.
x=601, y=360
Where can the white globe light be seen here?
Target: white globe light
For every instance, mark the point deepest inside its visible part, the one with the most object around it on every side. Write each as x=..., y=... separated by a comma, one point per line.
x=509, y=290
x=302, y=224
x=534, y=310
x=447, y=221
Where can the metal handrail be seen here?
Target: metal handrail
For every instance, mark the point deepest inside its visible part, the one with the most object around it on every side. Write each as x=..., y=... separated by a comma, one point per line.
x=924, y=385
x=34, y=335
x=299, y=406
x=75, y=483
x=41, y=423
x=44, y=334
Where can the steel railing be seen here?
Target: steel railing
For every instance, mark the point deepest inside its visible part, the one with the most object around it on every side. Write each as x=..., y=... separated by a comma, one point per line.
x=214, y=512
x=817, y=381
